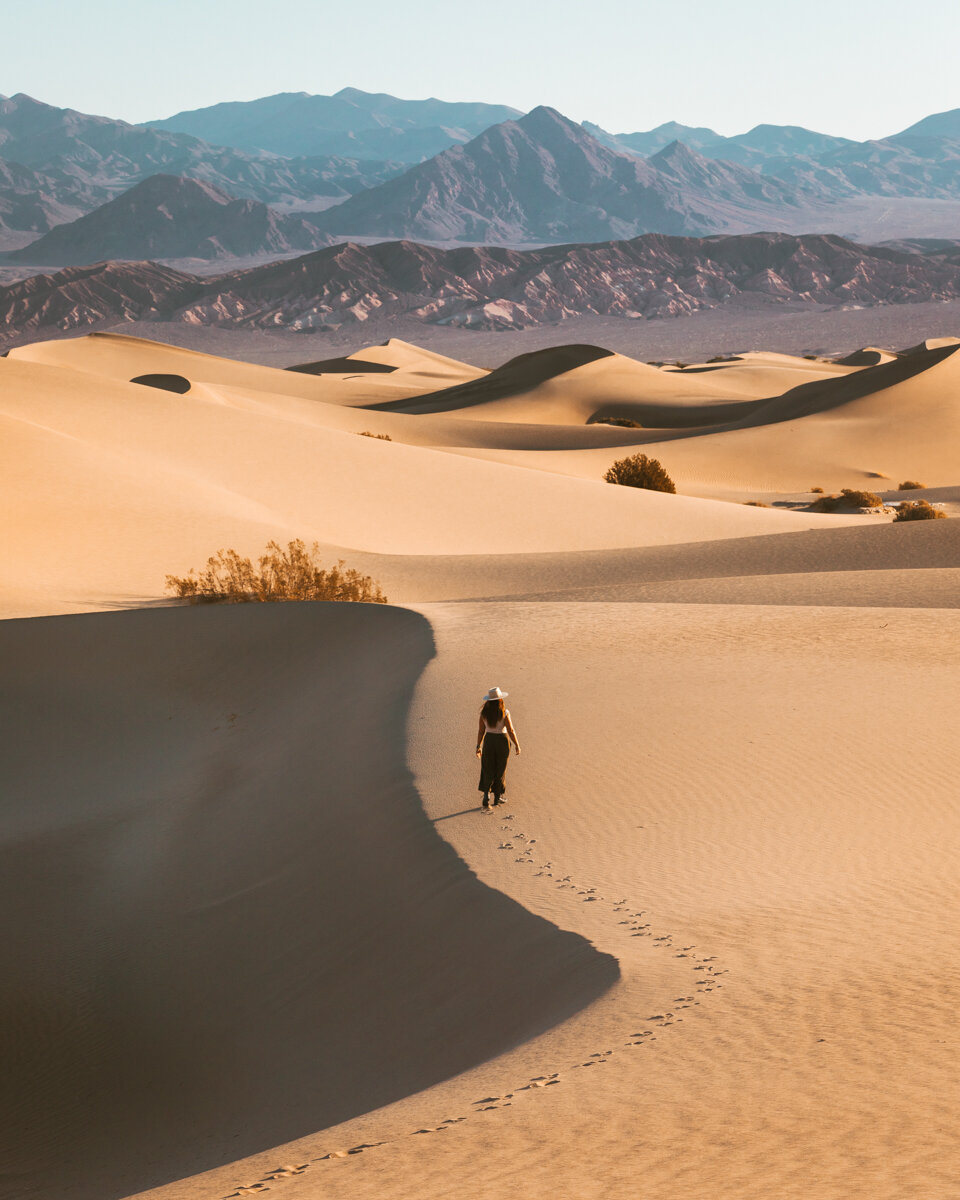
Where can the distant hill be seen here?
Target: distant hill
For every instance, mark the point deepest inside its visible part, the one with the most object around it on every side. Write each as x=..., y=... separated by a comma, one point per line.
x=484, y=287
x=646, y=144
x=923, y=162
x=544, y=178
x=167, y=216
x=939, y=125
x=350, y=123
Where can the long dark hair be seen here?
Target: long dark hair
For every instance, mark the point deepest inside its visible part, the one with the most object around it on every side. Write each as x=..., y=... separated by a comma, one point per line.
x=492, y=711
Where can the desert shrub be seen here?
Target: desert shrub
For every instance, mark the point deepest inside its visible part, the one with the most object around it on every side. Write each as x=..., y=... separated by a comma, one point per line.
x=910, y=485
x=817, y=491
x=291, y=574
x=858, y=499
x=381, y=437
x=848, y=498
x=918, y=510
x=641, y=472
x=625, y=422
x=681, y=365
x=755, y=504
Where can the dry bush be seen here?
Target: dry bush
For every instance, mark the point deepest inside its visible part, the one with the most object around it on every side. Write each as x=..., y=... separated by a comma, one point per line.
x=848, y=498
x=641, y=472
x=381, y=437
x=625, y=422
x=858, y=499
x=817, y=491
x=918, y=510
x=755, y=504
x=910, y=485
x=291, y=574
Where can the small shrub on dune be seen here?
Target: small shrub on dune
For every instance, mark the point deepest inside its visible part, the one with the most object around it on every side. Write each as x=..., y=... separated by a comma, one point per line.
x=817, y=491
x=910, y=485
x=639, y=471
x=624, y=422
x=755, y=504
x=858, y=499
x=848, y=498
x=918, y=510
x=381, y=437
x=290, y=574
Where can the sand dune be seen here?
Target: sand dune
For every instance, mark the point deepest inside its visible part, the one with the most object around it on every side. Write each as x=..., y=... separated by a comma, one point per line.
x=116, y=356
x=872, y=428
x=222, y=886
x=114, y=485
x=781, y=921
x=258, y=936
x=574, y=384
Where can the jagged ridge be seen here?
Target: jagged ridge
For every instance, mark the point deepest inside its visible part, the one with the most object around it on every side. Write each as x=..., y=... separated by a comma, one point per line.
x=484, y=287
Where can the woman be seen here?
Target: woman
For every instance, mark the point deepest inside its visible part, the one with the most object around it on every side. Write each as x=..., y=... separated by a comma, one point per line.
x=494, y=735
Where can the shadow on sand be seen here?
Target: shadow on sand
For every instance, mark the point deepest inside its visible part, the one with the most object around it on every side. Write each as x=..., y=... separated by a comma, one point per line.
x=226, y=921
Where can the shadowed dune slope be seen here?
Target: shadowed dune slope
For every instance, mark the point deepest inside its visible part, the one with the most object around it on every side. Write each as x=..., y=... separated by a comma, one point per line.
x=574, y=384
x=520, y=374
x=824, y=395
x=232, y=922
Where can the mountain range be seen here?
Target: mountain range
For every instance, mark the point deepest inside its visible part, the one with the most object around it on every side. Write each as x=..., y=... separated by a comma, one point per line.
x=543, y=178
x=98, y=188
x=485, y=287
x=56, y=164
x=351, y=123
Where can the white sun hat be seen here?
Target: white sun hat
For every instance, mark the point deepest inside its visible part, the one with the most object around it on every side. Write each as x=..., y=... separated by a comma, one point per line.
x=496, y=694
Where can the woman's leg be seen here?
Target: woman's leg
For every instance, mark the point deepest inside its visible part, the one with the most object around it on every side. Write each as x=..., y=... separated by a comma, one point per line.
x=500, y=768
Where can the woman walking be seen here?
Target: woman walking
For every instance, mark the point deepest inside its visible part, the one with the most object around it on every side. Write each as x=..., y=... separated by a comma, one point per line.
x=494, y=735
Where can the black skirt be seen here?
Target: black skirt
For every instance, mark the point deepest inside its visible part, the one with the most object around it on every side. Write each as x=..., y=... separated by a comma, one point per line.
x=493, y=763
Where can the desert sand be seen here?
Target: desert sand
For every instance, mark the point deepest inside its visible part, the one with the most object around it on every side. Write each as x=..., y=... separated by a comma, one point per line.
x=263, y=939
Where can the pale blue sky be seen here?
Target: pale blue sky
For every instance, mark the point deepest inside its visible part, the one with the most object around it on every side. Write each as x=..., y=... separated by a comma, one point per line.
x=858, y=69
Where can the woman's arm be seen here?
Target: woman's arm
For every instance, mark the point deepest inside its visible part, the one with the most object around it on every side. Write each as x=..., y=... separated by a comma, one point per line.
x=480, y=733
x=511, y=735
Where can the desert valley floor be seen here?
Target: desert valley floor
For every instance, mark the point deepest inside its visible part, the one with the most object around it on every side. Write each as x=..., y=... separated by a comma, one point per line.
x=267, y=942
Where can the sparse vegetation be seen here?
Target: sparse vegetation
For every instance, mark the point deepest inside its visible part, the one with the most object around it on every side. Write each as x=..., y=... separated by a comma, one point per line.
x=848, y=498
x=639, y=471
x=918, y=510
x=756, y=504
x=625, y=422
x=910, y=485
x=291, y=574
x=381, y=437
x=858, y=499
x=817, y=491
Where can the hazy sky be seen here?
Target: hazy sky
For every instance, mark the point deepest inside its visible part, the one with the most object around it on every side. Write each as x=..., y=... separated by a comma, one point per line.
x=839, y=66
